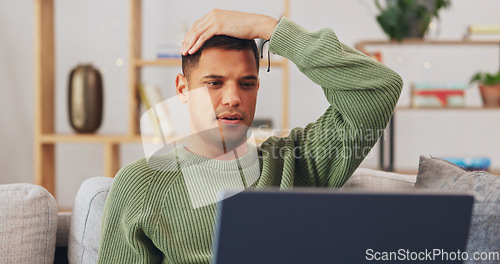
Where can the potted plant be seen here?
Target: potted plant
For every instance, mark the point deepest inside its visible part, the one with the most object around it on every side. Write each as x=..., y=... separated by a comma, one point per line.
x=408, y=18
x=489, y=85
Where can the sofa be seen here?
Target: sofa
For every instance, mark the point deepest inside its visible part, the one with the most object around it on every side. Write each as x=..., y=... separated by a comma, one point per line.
x=33, y=231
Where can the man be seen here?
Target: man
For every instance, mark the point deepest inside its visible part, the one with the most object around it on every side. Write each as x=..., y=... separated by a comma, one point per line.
x=150, y=214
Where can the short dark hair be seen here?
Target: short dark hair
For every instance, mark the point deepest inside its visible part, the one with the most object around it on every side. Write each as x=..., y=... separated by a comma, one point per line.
x=189, y=62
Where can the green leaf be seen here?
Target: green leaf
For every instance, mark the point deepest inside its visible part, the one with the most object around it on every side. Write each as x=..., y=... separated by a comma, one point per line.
x=486, y=78
x=394, y=19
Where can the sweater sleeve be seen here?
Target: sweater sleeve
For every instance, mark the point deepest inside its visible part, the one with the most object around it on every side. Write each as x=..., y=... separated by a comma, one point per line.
x=362, y=94
x=126, y=225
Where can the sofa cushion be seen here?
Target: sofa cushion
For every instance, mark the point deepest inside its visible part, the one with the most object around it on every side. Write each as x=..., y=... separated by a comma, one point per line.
x=86, y=218
x=28, y=223
x=368, y=179
x=484, y=234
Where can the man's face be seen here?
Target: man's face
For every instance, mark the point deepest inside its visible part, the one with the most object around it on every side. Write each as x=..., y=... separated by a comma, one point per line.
x=231, y=81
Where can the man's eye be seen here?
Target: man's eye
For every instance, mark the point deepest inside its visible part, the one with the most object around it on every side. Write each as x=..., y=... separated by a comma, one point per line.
x=249, y=85
x=214, y=84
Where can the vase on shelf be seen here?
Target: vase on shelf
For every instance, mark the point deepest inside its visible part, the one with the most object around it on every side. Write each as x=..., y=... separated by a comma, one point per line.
x=85, y=98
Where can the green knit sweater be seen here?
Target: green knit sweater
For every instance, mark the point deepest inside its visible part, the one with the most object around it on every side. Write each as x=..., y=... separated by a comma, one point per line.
x=149, y=215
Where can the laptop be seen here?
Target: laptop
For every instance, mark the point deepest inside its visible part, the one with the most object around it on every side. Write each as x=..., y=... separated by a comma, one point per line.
x=328, y=226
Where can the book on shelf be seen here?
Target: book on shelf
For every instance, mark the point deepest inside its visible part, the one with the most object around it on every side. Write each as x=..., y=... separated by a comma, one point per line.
x=156, y=119
x=168, y=52
x=484, y=29
x=483, y=32
x=437, y=94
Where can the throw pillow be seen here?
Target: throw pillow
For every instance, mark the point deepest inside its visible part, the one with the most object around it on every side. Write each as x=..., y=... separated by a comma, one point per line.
x=484, y=232
x=28, y=224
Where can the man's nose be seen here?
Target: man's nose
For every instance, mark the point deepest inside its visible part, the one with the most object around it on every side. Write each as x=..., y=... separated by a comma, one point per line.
x=230, y=96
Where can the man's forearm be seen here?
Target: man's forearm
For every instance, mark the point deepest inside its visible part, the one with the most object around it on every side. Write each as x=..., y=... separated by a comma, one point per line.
x=230, y=23
x=267, y=27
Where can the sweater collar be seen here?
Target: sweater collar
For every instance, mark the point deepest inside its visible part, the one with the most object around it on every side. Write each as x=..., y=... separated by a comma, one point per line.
x=187, y=158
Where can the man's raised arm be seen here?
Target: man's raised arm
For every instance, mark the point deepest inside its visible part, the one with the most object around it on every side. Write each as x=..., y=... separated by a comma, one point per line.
x=362, y=94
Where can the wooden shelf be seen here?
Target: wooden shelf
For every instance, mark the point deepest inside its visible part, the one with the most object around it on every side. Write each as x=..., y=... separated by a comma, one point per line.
x=110, y=139
x=159, y=62
x=99, y=138
x=362, y=44
x=178, y=62
x=88, y=138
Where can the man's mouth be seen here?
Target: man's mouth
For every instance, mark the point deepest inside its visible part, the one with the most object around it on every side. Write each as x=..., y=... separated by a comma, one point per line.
x=230, y=118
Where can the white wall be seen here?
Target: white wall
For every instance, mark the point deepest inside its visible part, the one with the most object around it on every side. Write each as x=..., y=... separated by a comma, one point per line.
x=16, y=91
x=96, y=31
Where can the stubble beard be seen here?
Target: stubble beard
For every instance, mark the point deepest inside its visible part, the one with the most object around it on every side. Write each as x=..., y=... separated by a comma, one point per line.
x=232, y=136
x=225, y=138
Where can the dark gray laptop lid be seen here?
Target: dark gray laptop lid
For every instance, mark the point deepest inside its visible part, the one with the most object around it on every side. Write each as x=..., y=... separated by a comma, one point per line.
x=305, y=226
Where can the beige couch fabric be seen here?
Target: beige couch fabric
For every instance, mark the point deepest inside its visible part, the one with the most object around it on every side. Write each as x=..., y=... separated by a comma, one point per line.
x=28, y=224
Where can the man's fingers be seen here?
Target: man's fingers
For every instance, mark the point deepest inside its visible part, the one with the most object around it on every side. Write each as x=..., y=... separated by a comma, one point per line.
x=199, y=28
x=192, y=35
x=201, y=39
x=189, y=42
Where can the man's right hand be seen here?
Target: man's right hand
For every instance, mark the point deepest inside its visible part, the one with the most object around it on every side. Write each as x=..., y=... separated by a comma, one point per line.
x=230, y=23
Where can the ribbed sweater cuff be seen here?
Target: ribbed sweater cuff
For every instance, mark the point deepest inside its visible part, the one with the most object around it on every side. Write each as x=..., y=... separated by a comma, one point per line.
x=291, y=41
x=287, y=37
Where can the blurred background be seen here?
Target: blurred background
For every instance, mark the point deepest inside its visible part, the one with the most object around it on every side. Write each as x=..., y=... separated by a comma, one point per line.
x=97, y=32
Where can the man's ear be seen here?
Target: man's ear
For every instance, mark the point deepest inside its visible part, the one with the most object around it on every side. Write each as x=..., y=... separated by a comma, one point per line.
x=181, y=88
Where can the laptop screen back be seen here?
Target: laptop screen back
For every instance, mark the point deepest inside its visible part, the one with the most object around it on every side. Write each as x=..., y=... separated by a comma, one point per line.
x=338, y=227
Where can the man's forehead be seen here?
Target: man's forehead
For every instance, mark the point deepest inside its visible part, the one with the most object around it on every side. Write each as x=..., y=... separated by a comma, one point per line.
x=215, y=76
x=221, y=60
